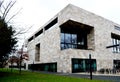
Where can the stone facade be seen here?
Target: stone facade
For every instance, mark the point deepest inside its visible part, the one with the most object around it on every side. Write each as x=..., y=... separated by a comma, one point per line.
x=99, y=38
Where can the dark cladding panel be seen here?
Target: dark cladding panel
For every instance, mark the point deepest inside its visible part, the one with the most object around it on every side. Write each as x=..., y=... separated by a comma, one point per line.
x=31, y=38
x=51, y=24
x=39, y=32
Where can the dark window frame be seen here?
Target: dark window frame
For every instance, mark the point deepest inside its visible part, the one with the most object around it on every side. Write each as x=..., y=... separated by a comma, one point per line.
x=116, y=64
x=79, y=35
x=30, y=39
x=51, y=24
x=49, y=67
x=39, y=32
x=117, y=28
x=115, y=43
x=83, y=65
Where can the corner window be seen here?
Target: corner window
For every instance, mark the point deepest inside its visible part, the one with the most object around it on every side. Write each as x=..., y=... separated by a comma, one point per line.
x=73, y=40
x=115, y=43
x=75, y=35
x=116, y=48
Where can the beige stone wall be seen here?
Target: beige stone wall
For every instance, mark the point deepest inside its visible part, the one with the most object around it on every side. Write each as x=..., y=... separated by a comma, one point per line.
x=91, y=40
x=98, y=39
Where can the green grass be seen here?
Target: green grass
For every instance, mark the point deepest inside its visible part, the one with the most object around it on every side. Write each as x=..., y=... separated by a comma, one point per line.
x=7, y=76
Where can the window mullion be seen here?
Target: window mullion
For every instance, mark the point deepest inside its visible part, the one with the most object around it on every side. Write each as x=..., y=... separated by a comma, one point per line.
x=64, y=40
x=113, y=44
x=70, y=40
x=118, y=45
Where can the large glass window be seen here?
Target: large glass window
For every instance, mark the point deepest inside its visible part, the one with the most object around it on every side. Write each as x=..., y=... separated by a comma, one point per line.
x=116, y=43
x=73, y=40
x=83, y=65
x=75, y=35
x=51, y=67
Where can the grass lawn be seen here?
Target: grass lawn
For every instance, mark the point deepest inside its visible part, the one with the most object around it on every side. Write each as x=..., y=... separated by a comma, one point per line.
x=7, y=76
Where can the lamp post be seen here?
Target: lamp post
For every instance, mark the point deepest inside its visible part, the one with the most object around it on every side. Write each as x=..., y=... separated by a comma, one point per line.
x=90, y=66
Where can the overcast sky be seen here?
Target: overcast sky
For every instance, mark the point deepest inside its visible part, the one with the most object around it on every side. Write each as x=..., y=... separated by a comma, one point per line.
x=37, y=12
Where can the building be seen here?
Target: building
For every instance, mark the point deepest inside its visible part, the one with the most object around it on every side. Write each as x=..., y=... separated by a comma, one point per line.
x=64, y=43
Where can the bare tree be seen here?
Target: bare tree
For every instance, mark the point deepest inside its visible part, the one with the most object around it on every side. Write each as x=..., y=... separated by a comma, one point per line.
x=5, y=9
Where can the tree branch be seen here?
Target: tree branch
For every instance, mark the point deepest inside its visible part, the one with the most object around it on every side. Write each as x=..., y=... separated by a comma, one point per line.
x=13, y=16
x=7, y=9
x=1, y=3
x=23, y=31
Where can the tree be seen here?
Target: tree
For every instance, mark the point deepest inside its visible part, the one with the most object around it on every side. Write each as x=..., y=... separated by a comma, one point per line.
x=8, y=33
x=7, y=41
x=12, y=60
x=7, y=38
x=23, y=55
x=18, y=59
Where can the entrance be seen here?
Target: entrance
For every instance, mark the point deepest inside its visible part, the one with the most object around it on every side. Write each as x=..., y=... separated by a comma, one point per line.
x=83, y=65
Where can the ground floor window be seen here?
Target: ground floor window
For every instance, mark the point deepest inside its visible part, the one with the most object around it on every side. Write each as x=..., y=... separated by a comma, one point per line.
x=116, y=64
x=83, y=65
x=51, y=67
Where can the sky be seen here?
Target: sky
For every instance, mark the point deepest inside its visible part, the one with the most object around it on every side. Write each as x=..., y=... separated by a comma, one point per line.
x=36, y=13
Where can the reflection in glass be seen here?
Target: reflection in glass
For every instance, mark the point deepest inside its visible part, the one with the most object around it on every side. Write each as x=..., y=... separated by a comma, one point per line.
x=83, y=65
x=67, y=38
x=62, y=37
x=67, y=46
x=116, y=44
x=62, y=46
x=72, y=40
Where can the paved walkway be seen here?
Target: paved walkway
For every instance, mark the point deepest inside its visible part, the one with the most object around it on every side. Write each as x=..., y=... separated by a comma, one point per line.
x=115, y=78
x=110, y=77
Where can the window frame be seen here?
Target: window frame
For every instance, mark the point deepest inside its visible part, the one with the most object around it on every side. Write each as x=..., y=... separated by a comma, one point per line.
x=71, y=44
x=115, y=41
